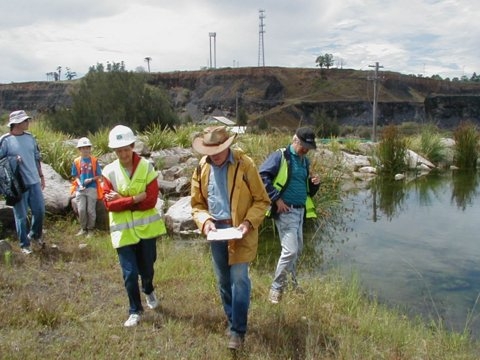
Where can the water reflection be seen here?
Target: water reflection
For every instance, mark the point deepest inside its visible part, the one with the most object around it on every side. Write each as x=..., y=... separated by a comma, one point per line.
x=464, y=188
x=413, y=244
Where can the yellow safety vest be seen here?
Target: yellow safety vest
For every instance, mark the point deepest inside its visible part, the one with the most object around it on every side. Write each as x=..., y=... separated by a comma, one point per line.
x=280, y=181
x=129, y=226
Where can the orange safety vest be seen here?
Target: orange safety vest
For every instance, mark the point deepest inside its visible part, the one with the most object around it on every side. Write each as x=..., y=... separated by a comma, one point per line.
x=74, y=186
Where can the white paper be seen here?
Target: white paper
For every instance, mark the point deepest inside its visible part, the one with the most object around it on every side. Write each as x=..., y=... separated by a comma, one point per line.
x=230, y=233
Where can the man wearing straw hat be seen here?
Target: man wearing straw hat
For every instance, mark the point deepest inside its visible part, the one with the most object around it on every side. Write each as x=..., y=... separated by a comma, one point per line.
x=228, y=193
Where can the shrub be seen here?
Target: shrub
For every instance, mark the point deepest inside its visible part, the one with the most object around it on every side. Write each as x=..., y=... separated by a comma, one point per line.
x=391, y=151
x=429, y=144
x=466, y=146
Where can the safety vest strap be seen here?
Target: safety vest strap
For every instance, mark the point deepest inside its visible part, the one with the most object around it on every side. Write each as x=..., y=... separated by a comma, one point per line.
x=75, y=183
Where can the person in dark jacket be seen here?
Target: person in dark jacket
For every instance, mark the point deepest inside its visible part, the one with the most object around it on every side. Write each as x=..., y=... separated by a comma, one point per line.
x=286, y=176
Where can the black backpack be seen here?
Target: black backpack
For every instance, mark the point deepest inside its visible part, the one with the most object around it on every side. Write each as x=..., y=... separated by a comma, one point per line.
x=11, y=184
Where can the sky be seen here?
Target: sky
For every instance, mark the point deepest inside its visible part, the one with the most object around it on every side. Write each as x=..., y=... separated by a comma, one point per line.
x=421, y=37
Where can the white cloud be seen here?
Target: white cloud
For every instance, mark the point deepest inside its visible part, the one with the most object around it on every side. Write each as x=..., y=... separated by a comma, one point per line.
x=410, y=36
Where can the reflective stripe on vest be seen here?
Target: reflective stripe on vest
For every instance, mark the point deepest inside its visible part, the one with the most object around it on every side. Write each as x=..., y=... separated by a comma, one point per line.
x=280, y=181
x=128, y=227
x=135, y=223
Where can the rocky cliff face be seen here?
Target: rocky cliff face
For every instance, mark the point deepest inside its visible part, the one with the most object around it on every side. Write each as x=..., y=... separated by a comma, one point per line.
x=286, y=96
x=35, y=96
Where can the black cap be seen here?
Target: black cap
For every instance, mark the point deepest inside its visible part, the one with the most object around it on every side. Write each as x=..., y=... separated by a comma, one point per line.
x=306, y=137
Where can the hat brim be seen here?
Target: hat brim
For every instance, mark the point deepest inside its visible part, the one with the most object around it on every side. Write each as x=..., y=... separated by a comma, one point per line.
x=308, y=146
x=199, y=147
x=19, y=121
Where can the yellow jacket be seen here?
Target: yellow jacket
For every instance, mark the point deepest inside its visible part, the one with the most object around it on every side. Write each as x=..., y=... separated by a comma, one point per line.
x=249, y=201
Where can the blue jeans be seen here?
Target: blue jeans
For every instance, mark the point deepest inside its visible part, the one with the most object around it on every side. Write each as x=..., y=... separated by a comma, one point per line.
x=138, y=260
x=32, y=198
x=290, y=230
x=234, y=285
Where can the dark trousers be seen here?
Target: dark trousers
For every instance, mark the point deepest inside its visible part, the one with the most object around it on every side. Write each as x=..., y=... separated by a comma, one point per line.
x=138, y=260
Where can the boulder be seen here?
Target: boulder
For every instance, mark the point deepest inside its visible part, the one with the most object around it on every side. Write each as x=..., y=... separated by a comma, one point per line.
x=56, y=192
x=178, y=218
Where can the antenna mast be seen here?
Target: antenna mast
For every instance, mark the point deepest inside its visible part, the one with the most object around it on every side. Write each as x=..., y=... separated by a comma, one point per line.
x=261, y=31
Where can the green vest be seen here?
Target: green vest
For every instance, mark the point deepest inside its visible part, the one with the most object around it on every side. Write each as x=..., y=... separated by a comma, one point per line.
x=129, y=227
x=280, y=181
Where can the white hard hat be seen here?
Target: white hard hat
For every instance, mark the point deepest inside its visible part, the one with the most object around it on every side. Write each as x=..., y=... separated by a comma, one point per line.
x=82, y=142
x=120, y=136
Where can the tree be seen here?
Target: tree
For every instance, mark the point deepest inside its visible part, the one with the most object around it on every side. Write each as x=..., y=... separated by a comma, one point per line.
x=59, y=69
x=320, y=61
x=328, y=58
x=324, y=60
x=70, y=74
x=107, y=98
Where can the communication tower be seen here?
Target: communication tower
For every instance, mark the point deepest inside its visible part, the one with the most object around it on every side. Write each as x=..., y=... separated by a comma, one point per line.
x=261, y=31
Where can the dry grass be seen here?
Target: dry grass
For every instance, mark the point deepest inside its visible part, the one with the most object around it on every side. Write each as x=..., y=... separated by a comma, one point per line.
x=67, y=302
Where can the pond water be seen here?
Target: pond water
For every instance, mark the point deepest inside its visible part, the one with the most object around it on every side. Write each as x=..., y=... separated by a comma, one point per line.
x=416, y=245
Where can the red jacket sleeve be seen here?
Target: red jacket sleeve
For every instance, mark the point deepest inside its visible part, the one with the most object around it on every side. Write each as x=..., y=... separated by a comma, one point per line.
x=126, y=203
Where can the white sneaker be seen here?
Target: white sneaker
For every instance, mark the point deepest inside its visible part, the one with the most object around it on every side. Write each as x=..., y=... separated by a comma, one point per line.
x=274, y=296
x=152, y=301
x=132, y=320
x=26, y=250
x=81, y=232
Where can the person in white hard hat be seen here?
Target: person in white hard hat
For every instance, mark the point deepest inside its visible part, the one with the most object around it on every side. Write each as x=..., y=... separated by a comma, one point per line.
x=86, y=173
x=23, y=152
x=130, y=195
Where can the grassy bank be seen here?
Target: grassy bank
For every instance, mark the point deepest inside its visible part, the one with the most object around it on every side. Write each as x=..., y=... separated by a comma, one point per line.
x=67, y=302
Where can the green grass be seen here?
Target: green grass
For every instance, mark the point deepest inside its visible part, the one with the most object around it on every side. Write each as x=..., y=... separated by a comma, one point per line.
x=67, y=302
x=466, y=149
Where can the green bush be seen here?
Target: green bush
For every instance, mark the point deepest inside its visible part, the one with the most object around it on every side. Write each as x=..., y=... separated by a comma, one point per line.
x=391, y=151
x=108, y=98
x=429, y=144
x=466, y=146
x=54, y=147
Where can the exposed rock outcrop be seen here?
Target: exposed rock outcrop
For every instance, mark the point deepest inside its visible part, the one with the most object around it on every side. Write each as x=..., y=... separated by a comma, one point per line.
x=284, y=97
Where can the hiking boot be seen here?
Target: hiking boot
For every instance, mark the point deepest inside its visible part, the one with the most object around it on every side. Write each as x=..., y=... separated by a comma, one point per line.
x=132, y=320
x=89, y=234
x=26, y=250
x=235, y=342
x=152, y=301
x=81, y=232
x=274, y=296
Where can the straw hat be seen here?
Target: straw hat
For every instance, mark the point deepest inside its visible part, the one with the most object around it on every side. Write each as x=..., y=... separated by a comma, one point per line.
x=213, y=140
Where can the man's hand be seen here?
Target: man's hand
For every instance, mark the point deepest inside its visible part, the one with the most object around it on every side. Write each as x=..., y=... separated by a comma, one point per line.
x=209, y=226
x=245, y=227
x=281, y=206
x=315, y=179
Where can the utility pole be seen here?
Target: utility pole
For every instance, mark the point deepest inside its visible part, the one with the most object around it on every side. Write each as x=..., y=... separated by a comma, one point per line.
x=214, y=36
x=261, y=31
x=375, y=95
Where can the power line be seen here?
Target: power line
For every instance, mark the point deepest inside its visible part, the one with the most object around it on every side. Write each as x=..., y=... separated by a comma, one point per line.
x=261, y=31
